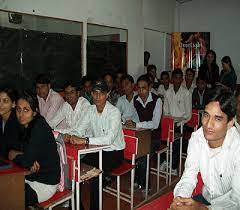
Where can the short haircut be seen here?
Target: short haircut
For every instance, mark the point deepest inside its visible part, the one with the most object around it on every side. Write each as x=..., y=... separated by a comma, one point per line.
x=127, y=77
x=31, y=98
x=190, y=70
x=177, y=72
x=86, y=79
x=150, y=67
x=226, y=99
x=42, y=79
x=72, y=84
x=108, y=74
x=200, y=78
x=145, y=78
x=164, y=73
x=11, y=93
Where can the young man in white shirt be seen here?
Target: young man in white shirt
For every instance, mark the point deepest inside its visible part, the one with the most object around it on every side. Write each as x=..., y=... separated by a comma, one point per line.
x=165, y=80
x=177, y=103
x=71, y=112
x=189, y=80
x=49, y=100
x=237, y=117
x=125, y=102
x=104, y=121
x=214, y=152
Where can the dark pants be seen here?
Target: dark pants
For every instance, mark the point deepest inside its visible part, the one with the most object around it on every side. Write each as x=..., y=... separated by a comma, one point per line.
x=31, y=198
x=110, y=160
x=201, y=199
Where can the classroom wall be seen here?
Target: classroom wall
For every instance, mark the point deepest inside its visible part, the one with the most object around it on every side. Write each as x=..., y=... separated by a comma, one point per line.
x=220, y=18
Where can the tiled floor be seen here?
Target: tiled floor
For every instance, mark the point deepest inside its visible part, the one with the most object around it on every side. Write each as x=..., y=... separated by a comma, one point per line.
x=109, y=201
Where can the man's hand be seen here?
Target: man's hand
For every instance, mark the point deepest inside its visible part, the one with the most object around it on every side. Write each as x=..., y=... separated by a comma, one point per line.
x=77, y=140
x=130, y=124
x=66, y=138
x=13, y=154
x=186, y=204
x=35, y=167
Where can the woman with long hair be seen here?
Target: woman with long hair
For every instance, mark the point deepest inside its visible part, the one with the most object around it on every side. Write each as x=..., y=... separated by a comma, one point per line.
x=39, y=147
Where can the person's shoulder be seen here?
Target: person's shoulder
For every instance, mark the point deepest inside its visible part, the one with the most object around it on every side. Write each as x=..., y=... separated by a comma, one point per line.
x=83, y=101
x=198, y=136
x=111, y=109
x=55, y=95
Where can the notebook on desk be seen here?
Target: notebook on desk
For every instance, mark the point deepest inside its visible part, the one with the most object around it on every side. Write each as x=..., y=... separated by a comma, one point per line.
x=5, y=165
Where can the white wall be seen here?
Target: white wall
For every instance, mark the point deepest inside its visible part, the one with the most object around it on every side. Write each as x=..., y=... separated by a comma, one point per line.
x=122, y=14
x=158, y=23
x=220, y=18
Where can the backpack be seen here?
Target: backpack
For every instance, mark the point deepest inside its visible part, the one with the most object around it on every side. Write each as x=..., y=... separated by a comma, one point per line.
x=64, y=183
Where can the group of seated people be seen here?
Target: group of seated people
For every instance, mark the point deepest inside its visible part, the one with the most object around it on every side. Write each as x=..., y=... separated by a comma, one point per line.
x=95, y=115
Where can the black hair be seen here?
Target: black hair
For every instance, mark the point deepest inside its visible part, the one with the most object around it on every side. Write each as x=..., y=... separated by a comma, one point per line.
x=214, y=60
x=86, y=79
x=145, y=78
x=200, y=78
x=72, y=84
x=176, y=72
x=227, y=59
x=191, y=70
x=150, y=67
x=108, y=74
x=127, y=77
x=226, y=99
x=31, y=98
x=42, y=79
x=11, y=93
x=164, y=73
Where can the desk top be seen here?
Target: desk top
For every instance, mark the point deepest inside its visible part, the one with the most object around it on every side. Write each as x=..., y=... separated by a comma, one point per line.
x=134, y=129
x=14, y=169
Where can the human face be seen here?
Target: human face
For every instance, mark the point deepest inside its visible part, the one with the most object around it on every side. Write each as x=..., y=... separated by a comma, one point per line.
x=189, y=77
x=24, y=112
x=6, y=105
x=225, y=66
x=127, y=87
x=71, y=95
x=152, y=72
x=99, y=98
x=143, y=90
x=238, y=106
x=177, y=80
x=87, y=86
x=109, y=80
x=210, y=58
x=201, y=85
x=215, y=124
x=165, y=80
x=42, y=90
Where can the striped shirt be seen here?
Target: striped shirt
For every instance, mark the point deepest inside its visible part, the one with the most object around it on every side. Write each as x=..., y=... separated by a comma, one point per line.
x=219, y=168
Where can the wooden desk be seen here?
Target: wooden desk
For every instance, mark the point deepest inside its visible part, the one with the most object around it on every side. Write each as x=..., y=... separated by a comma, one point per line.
x=12, y=194
x=75, y=151
x=144, y=139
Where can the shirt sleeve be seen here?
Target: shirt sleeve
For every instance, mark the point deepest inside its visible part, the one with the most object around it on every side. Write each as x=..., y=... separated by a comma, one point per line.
x=111, y=133
x=166, y=108
x=188, y=107
x=58, y=118
x=187, y=184
x=157, y=113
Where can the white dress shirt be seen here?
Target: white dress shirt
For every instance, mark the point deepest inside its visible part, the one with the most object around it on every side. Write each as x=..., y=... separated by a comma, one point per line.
x=161, y=90
x=49, y=107
x=157, y=113
x=69, y=116
x=219, y=168
x=193, y=85
x=127, y=109
x=178, y=104
x=106, y=127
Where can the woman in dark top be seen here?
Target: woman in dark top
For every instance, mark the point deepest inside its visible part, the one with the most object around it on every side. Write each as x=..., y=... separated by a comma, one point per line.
x=10, y=129
x=228, y=76
x=40, y=146
x=209, y=70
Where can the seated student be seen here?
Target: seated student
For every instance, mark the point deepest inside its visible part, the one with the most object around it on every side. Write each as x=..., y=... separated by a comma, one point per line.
x=125, y=102
x=49, y=100
x=72, y=111
x=104, y=120
x=10, y=129
x=151, y=78
x=152, y=69
x=87, y=89
x=112, y=94
x=214, y=152
x=189, y=80
x=199, y=94
x=177, y=103
x=237, y=117
x=149, y=109
x=118, y=82
x=40, y=146
x=165, y=80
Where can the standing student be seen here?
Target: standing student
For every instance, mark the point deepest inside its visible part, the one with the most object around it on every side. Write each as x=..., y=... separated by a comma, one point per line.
x=149, y=109
x=10, y=129
x=72, y=111
x=40, y=146
x=87, y=89
x=214, y=152
x=104, y=121
x=49, y=100
x=125, y=102
x=177, y=103
x=189, y=80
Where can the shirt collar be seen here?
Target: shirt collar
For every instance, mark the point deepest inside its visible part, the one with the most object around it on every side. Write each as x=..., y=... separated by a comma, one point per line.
x=149, y=99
